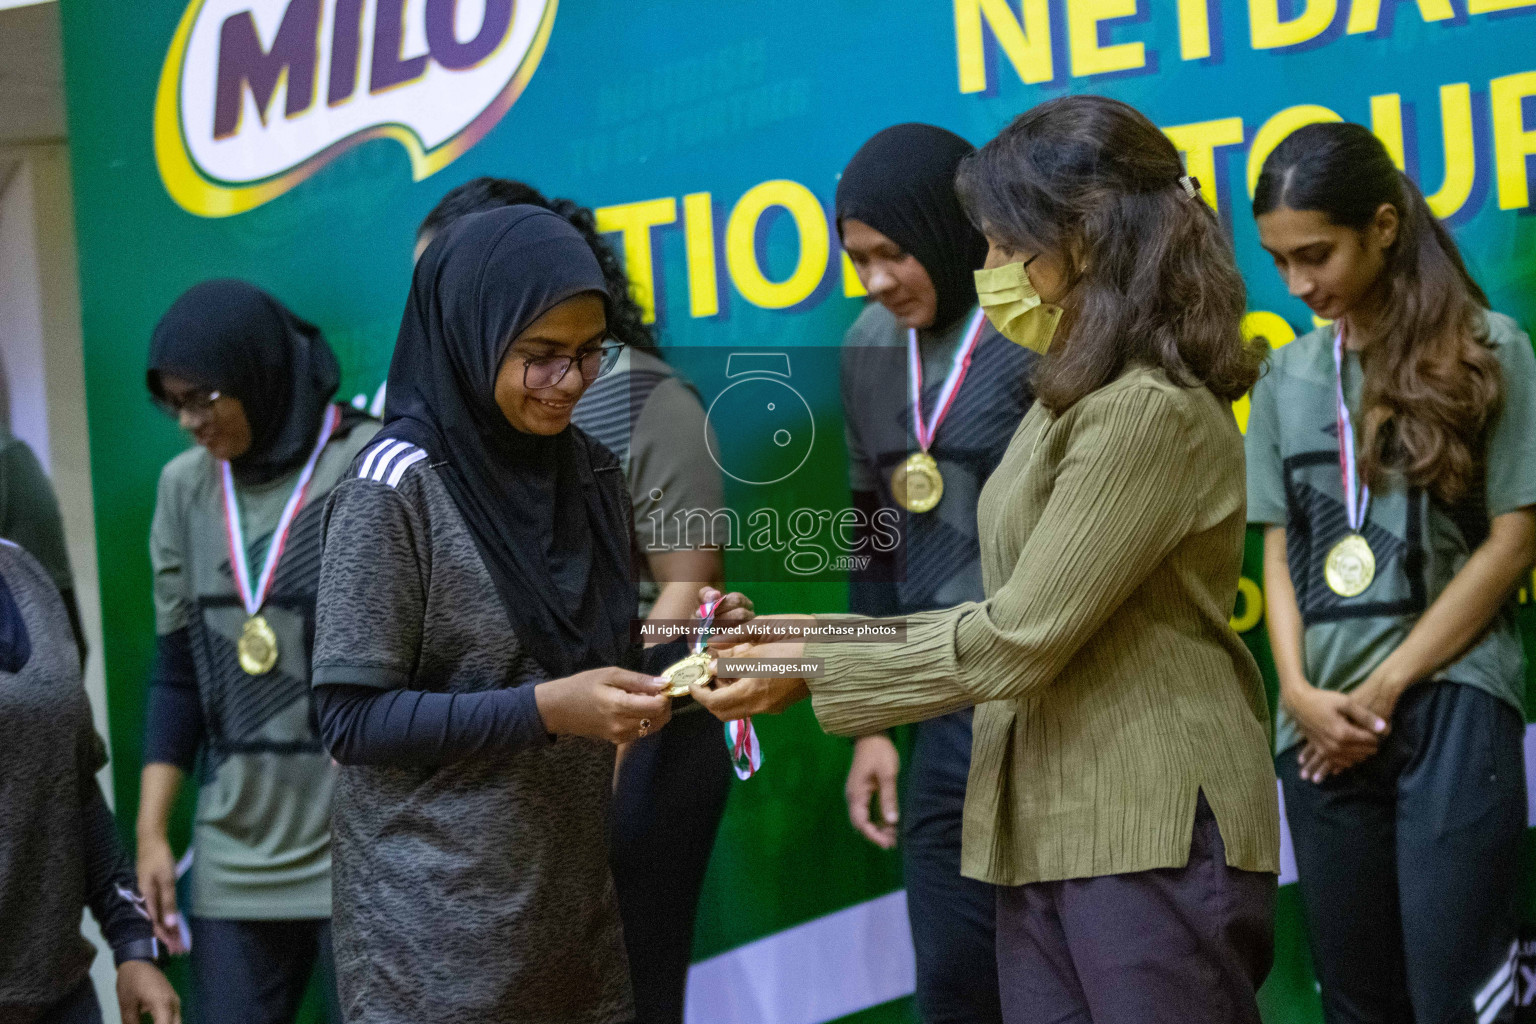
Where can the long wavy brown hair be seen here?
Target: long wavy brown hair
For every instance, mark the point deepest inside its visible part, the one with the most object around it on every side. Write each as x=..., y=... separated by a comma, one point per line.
x=1432, y=385
x=1151, y=278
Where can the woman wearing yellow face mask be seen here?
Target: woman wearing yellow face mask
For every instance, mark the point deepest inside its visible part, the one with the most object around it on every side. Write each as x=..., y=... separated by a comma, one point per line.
x=1121, y=794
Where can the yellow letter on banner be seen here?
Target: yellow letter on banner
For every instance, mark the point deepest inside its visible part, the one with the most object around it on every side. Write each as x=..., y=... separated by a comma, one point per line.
x=1387, y=125
x=1268, y=31
x=1455, y=132
x=699, y=234
x=1088, y=57
x=1253, y=606
x=1198, y=143
x=1365, y=15
x=1027, y=42
x=1194, y=29
x=741, y=244
x=1274, y=132
x=1277, y=333
x=852, y=286
x=1512, y=141
x=636, y=221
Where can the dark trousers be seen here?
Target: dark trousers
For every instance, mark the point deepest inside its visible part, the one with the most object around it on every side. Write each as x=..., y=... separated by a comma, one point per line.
x=255, y=972
x=79, y=1007
x=666, y=811
x=1410, y=861
x=1186, y=945
x=954, y=919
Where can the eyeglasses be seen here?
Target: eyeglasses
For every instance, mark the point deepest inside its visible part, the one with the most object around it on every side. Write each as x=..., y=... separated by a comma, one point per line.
x=199, y=402
x=544, y=373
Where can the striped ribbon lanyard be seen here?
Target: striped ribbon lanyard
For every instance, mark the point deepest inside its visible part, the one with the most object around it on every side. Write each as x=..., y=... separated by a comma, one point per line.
x=957, y=371
x=254, y=594
x=740, y=737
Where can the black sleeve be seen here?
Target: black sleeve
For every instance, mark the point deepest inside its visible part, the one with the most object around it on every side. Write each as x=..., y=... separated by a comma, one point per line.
x=173, y=726
x=366, y=725
x=112, y=891
x=653, y=660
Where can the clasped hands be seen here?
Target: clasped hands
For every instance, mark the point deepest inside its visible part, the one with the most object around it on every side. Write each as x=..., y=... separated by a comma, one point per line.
x=1341, y=730
x=731, y=699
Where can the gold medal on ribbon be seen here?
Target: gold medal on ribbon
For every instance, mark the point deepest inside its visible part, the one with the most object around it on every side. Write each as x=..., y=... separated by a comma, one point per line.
x=916, y=484
x=1350, y=567
x=256, y=650
x=257, y=646
x=696, y=668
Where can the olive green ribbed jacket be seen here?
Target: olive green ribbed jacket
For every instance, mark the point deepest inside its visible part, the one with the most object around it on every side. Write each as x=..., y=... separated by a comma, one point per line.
x=1110, y=687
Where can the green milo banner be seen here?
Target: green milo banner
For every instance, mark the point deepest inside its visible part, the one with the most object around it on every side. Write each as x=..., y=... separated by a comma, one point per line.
x=297, y=143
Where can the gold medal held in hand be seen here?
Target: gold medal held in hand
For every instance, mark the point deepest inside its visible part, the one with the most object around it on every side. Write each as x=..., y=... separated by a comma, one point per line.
x=696, y=668
x=916, y=484
x=257, y=646
x=1350, y=567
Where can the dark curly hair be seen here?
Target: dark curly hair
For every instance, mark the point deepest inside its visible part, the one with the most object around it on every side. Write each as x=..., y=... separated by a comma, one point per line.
x=1152, y=280
x=1432, y=385
x=625, y=321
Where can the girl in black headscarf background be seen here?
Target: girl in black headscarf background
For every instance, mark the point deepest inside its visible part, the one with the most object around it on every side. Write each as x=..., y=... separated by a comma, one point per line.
x=235, y=547
x=474, y=664
x=916, y=254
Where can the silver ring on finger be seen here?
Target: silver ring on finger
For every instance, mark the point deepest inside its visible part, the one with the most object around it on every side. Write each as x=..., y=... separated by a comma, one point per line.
x=645, y=726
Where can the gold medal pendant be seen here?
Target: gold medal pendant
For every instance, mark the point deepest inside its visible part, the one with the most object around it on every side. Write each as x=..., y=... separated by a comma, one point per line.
x=257, y=646
x=1350, y=567
x=916, y=484
x=696, y=668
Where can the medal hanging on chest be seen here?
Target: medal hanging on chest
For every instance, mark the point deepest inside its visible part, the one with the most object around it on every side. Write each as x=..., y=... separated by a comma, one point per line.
x=916, y=483
x=257, y=648
x=1350, y=567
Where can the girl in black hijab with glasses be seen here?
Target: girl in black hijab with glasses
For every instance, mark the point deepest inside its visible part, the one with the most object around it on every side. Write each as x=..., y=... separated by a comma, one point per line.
x=235, y=547
x=473, y=663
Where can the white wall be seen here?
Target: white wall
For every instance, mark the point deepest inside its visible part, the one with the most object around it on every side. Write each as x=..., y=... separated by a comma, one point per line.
x=41, y=348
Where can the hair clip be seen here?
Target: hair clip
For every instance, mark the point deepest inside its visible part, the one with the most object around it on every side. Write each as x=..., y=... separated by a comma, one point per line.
x=1190, y=185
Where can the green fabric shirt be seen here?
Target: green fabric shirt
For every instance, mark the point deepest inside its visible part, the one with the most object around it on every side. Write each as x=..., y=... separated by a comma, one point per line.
x=29, y=511
x=1109, y=685
x=263, y=828
x=1419, y=543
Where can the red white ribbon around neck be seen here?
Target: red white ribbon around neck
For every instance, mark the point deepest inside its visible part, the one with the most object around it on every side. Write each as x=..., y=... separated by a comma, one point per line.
x=1357, y=497
x=255, y=596
x=959, y=367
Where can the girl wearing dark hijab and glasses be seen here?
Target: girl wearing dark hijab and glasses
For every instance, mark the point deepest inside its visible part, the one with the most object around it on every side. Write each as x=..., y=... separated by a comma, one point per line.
x=235, y=547
x=916, y=254
x=473, y=662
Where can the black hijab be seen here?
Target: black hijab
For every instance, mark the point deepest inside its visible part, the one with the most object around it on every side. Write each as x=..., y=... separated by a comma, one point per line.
x=902, y=184
x=233, y=337
x=549, y=515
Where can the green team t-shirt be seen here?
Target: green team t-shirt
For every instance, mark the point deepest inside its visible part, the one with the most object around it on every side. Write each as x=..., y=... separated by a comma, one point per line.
x=263, y=829
x=1419, y=543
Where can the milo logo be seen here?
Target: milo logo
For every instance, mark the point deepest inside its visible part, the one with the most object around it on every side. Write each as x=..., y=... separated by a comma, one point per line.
x=257, y=95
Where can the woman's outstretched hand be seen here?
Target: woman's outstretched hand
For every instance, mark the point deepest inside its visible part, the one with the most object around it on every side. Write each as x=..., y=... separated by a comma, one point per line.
x=730, y=699
x=735, y=609
x=610, y=704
